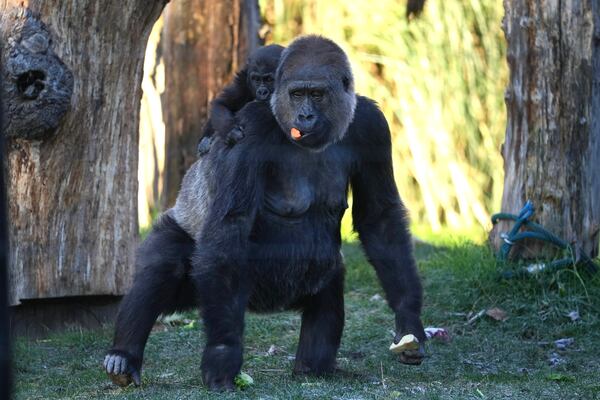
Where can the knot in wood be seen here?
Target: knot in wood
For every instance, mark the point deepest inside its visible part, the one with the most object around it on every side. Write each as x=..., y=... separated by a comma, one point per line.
x=37, y=85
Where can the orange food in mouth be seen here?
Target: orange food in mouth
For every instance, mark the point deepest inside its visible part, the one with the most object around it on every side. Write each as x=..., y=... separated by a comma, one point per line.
x=296, y=134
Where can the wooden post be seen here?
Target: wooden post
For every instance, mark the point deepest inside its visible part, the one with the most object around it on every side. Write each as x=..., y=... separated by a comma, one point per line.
x=205, y=43
x=552, y=147
x=5, y=347
x=72, y=72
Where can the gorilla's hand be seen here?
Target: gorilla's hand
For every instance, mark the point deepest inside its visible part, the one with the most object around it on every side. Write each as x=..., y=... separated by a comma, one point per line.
x=204, y=145
x=411, y=356
x=409, y=323
x=123, y=368
x=235, y=135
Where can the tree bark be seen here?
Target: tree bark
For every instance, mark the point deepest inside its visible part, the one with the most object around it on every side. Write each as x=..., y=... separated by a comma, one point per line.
x=5, y=362
x=552, y=147
x=73, y=184
x=205, y=43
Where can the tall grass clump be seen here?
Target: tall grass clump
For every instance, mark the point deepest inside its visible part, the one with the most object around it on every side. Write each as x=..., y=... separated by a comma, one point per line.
x=438, y=78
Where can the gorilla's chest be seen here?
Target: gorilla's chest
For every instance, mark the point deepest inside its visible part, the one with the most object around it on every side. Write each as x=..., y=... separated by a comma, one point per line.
x=295, y=243
x=301, y=183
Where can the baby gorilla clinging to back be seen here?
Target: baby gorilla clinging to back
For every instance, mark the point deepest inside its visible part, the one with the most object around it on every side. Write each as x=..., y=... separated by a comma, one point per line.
x=254, y=82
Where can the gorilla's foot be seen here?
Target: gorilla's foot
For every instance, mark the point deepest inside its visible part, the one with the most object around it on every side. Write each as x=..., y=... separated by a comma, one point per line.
x=314, y=367
x=413, y=356
x=122, y=368
x=219, y=384
x=220, y=366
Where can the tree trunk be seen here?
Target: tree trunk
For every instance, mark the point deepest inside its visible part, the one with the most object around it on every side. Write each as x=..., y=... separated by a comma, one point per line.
x=5, y=364
x=205, y=43
x=552, y=147
x=72, y=72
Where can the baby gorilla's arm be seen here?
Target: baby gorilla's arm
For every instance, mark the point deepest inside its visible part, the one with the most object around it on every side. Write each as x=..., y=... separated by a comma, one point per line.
x=222, y=113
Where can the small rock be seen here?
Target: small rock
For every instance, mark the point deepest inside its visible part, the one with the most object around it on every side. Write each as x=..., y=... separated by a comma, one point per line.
x=574, y=315
x=376, y=297
x=555, y=360
x=562, y=344
x=497, y=314
x=272, y=350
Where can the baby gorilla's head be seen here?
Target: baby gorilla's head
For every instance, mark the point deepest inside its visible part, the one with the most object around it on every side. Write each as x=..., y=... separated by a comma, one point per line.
x=261, y=67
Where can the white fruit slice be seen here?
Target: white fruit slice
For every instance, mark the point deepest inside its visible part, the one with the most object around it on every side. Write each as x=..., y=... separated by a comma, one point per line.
x=408, y=342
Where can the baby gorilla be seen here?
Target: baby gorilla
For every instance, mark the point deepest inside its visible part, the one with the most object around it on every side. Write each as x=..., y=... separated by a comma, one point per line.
x=254, y=82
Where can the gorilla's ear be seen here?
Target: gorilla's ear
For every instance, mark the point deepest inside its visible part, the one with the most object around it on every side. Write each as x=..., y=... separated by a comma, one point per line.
x=346, y=83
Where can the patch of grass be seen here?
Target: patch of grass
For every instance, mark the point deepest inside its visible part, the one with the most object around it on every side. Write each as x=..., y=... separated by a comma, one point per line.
x=485, y=360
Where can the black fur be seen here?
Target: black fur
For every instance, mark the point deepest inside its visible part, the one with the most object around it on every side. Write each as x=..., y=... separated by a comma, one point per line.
x=161, y=286
x=254, y=82
x=270, y=238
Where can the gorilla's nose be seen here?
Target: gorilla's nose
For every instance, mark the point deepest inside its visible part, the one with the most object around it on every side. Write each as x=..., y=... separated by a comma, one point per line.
x=262, y=93
x=306, y=122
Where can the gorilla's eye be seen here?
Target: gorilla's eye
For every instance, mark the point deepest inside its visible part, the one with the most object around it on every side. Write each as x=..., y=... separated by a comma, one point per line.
x=269, y=79
x=316, y=95
x=296, y=93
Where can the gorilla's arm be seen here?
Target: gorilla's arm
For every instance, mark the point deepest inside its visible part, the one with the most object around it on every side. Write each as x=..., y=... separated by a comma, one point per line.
x=236, y=176
x=222, y=112
x=237, y=189
x=219, y=264
x=380, y=219
x=230, y=101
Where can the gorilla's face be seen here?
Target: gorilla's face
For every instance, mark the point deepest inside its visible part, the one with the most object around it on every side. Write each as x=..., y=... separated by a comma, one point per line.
x=314, y=98
x=261, y=82
x=309, y=99
x=261, y=71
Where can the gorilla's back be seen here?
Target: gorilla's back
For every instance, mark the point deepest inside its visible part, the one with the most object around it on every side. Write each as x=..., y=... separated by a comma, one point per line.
x=197, y=189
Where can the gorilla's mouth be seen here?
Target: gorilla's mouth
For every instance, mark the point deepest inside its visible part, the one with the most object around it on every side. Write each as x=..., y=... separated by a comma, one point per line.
x=304, y=136
x=262, y=95
x=296, y=134
x=313, y=140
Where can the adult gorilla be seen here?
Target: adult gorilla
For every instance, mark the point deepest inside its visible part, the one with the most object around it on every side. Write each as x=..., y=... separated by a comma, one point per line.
x=263, y=220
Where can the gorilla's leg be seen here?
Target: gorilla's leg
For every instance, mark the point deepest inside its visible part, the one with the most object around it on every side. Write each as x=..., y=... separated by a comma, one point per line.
x=161, y=285
x=224, y=297
x=321, y=331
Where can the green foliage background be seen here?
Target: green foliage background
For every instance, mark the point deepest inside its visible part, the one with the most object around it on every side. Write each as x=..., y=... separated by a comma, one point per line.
x=438, y=78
